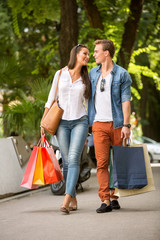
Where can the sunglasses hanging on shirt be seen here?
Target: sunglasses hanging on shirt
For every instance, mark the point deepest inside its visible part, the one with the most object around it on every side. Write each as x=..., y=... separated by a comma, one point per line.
x=102, y=85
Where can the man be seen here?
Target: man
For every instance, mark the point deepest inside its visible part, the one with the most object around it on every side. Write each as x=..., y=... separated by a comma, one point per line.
x=109, y=112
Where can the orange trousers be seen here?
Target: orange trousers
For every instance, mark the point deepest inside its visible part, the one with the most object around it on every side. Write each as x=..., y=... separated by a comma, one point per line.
x=104, y=136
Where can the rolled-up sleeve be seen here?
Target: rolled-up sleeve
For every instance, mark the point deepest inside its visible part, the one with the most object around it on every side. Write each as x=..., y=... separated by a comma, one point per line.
x=126, y=87
x=51, y=95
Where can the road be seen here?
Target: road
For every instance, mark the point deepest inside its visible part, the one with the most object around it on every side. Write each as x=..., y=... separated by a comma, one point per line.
x=35, y=215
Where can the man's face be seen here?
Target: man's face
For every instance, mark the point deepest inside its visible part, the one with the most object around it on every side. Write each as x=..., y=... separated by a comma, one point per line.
x=99, y=54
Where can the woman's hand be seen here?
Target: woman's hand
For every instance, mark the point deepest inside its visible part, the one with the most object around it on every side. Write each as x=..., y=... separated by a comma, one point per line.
x=42, y=132
x=42, y=129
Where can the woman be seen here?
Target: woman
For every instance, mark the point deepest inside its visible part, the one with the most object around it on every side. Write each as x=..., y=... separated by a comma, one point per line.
x=73, y=93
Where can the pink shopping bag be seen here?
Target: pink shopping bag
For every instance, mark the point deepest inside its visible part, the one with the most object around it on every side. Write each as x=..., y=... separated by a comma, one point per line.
x=29, y=173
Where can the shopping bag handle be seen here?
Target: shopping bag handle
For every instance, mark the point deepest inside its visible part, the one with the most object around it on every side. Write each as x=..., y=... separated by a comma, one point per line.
x=45, y=142
x=126, y=142
x=39, y=142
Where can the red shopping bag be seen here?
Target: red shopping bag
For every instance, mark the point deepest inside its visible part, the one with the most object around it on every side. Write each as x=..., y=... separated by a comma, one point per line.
x=57, y=169
x=29, y=172
x=48, y=168
x=51, y=166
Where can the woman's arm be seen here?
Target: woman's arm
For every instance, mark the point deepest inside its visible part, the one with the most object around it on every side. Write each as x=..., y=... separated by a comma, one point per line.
x=50, y=100
x=44, y=114
x=51, y=95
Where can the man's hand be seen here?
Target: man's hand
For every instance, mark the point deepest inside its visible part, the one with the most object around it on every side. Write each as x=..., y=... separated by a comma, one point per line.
x=125, y=132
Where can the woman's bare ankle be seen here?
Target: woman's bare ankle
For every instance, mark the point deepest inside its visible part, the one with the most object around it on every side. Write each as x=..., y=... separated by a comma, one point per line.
x=66, y=201
x=73, y=202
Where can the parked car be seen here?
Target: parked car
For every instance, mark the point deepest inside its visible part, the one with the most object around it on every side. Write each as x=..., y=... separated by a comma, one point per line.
x=152, y=146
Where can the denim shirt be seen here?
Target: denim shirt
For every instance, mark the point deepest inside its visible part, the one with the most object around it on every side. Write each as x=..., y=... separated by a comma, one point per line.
x=120, y=92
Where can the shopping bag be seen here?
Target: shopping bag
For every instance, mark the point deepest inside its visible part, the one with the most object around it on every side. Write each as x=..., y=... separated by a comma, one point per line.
x=58, y=173
x=149, y=187
x=38, y=173
x=129, y=170
x=52, y=168
x=49, y=171
x=111, y=185
x=29, y=172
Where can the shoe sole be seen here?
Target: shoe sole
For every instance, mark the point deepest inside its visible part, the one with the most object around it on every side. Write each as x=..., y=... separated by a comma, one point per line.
x=73, y=209
x=115, y=207
x=110, y=210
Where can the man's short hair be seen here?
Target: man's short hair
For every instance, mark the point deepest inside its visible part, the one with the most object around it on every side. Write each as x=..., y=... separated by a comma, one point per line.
x=107, y=45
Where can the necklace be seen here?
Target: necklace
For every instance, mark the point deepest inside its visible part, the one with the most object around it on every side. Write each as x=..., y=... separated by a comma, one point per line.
x=74, y=76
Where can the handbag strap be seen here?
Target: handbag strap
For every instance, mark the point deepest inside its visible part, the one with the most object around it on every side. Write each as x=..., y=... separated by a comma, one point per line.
x=56, y=88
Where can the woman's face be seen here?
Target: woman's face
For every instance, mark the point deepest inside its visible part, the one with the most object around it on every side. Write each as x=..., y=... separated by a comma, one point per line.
x=83, y=56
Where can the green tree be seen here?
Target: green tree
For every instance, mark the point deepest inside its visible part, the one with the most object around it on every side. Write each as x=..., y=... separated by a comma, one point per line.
x=145, y=65
x=47, y=30
x=10, y=70
x=28, y=110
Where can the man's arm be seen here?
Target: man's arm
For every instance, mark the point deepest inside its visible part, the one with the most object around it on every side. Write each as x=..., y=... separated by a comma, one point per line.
x=126, y=108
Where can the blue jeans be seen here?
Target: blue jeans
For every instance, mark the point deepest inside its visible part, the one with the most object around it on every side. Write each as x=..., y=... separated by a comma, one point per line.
x=71, y=136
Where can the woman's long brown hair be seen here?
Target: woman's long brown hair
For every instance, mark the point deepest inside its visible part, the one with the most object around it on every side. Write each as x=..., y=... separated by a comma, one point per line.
x=84, y=70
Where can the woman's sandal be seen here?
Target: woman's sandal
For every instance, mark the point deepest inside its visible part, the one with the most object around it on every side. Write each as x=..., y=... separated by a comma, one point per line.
x=64, y=210
x=73, y=208
x=73, y=204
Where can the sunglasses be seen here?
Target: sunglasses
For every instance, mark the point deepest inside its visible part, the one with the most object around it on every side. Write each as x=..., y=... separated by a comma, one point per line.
x=102, y=85
x=79, y=45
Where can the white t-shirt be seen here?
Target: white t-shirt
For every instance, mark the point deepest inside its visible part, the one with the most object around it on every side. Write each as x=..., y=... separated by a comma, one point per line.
x=70, y=95
x=103, y=101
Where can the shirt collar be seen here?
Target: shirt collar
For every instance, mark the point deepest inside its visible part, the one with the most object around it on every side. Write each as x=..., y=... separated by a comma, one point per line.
x=113, y=69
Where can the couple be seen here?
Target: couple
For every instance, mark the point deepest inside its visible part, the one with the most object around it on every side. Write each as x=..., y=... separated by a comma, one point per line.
x=106, y=93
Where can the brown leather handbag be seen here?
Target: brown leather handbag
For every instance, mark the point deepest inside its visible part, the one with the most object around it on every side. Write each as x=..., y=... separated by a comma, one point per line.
x=51, y=121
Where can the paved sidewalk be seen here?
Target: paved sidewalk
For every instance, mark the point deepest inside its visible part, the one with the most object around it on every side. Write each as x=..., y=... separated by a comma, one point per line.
x=36, y=215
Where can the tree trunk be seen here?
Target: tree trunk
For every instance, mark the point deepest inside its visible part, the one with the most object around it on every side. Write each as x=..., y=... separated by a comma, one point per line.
x=130, y=32
x=68, y=30
x=93, y=14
